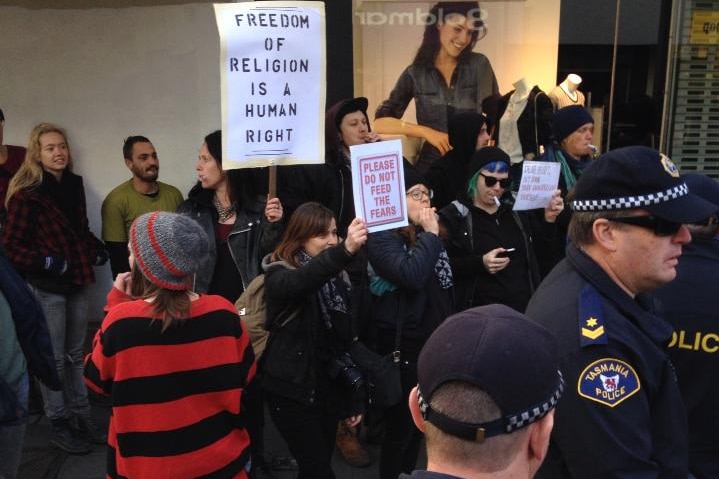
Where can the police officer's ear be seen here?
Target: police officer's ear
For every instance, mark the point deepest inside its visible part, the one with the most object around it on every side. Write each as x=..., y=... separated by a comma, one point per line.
x=539, y=433
x=605, y=234
x=414, y=409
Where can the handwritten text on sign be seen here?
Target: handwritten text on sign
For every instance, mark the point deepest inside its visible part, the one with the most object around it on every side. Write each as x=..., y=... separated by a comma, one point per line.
x=273, y=73
x=378, y=181
x=539, y=180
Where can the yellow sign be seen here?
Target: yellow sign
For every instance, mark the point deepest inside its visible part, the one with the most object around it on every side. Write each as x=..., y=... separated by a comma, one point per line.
x=705, y=28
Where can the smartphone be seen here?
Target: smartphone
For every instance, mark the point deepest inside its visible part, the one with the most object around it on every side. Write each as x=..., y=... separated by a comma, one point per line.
x=507, y=252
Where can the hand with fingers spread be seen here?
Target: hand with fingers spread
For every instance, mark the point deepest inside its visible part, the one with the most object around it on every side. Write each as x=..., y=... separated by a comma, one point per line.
x=493, y=260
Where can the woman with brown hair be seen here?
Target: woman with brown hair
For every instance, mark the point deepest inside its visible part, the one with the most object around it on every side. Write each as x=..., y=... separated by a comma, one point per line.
x=174, y=362
x=309, y=379
x=412, y=287
x=49, y=242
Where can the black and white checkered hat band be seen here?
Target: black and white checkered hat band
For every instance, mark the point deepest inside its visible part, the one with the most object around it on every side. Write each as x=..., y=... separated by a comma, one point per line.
x=479, y=431
x=631, y=202
x=518, y=421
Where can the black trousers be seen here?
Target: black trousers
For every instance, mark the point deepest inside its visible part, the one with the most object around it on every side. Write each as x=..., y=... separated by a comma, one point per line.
x=402, y=439
x=310, y=433
x=253, y=412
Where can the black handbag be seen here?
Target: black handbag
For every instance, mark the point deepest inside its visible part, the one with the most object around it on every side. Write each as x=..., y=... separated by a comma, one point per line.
x=381, y=372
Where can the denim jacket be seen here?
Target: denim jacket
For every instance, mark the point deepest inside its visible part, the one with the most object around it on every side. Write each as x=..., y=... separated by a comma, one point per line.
x=472, y=82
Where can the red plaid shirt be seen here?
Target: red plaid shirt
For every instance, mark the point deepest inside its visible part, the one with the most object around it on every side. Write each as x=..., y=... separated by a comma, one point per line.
x=36, y=227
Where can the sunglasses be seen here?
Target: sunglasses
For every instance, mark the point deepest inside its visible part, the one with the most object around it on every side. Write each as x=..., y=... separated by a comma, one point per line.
x=417, y=195
x=490, y=181
x=658, y=226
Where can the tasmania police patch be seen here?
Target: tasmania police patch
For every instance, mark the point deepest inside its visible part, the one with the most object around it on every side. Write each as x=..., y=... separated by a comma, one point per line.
x=608, y=381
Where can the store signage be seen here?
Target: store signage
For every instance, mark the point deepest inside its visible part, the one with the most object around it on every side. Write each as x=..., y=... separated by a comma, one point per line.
x=705, y=27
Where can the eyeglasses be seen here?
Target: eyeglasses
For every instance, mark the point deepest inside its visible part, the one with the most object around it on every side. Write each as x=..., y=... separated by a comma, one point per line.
x=418, y=195
x=658, y=226
x=490, y=181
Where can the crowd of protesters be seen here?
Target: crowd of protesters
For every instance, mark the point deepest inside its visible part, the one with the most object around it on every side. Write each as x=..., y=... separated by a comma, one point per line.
x=188, y=393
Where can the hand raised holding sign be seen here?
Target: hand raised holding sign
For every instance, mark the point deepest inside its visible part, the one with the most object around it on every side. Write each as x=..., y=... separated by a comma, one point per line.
x=356, y=236
x=554, y=207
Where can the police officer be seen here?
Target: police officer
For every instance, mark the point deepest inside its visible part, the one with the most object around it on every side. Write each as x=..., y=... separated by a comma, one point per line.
x=622, y=416
x=488, y=383
x=689, y=303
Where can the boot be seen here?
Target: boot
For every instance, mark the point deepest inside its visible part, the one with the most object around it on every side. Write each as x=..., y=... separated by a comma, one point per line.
x=87, y=429
x=63, y=437
x=351, y=449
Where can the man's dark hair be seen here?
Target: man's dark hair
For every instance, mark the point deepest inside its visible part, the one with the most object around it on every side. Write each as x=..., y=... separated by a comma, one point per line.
x=129, y=143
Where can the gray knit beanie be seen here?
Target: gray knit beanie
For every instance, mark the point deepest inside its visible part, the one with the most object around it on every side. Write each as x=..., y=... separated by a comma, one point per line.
x=168, y=248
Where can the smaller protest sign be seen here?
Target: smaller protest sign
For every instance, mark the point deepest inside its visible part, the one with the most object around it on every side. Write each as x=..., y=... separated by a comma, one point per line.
x=378, y=184
x=539, y=180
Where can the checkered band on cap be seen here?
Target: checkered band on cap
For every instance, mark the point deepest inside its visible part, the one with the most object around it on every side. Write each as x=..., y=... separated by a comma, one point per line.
x=503, y=425
x=524, y=418
x=631, y=202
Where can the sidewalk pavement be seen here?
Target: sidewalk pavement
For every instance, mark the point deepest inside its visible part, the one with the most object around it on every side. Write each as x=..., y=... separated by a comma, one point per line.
x=42, y=461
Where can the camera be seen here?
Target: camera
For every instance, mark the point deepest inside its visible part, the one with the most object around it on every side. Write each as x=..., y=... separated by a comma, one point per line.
x=347, y=371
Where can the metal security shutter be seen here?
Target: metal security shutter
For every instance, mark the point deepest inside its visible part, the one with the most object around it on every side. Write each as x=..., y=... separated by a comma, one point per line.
x=694, y=131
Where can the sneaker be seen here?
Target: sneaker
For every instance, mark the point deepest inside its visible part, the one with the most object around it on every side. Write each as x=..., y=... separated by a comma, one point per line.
x=64, y=438
x=87, y=429
x=350, y=448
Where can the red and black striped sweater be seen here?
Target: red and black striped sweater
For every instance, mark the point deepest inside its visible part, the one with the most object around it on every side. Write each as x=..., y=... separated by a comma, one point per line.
x=176, y=395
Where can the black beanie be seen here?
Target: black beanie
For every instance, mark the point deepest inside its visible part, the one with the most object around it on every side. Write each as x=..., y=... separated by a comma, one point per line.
x=485, y=156
x=412, y=176
x=567, y=120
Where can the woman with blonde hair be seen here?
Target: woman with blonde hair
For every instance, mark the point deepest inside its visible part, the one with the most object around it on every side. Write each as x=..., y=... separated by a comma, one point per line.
x=49, y=242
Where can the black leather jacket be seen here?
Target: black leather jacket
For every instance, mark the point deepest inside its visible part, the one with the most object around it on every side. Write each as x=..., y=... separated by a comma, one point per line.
x=250, y=238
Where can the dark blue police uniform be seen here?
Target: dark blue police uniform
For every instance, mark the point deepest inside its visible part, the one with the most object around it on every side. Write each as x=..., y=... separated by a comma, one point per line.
x=622, y=414
x=689, y=303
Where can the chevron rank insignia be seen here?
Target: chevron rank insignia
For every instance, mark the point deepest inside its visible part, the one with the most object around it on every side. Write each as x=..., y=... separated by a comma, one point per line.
x=608, y=381
x=591, y=318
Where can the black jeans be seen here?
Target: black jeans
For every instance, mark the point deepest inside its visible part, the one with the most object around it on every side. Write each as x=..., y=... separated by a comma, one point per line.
x=310, y=433
x=253, y=412
x=402, y=440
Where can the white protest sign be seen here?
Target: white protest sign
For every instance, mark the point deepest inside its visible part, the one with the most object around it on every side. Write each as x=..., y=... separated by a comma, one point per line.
x=539, y=180
x=378, y=184
x=272, y=65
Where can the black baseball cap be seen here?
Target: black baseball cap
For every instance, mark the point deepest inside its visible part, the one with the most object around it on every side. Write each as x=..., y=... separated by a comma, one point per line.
x=501, y=351
x=639, y=177
x=350, y=106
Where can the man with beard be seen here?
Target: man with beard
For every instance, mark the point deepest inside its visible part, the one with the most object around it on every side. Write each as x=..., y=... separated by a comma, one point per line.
x=141, y=194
